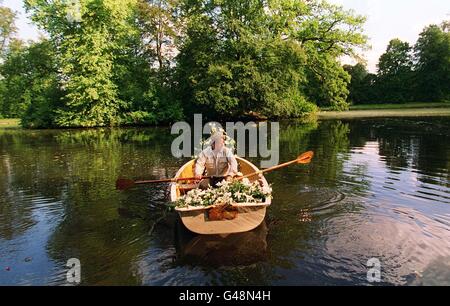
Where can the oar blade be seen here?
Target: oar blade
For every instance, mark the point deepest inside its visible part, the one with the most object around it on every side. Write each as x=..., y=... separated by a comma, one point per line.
x=305, y=158
x=122, y=184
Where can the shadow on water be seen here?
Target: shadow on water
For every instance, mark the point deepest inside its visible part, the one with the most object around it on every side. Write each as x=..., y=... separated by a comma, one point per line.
x=376, y=188
x=240, y=249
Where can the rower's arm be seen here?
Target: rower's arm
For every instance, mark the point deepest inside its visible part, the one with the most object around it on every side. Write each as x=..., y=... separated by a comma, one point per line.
x=233, y=165
x=199, y=168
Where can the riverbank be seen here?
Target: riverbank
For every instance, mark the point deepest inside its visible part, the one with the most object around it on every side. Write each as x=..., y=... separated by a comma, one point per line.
x=401, y=106
x=441, y=109
x=9, y=123
x=389, y=110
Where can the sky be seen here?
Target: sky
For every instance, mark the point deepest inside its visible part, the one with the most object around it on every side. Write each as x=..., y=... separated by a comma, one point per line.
x=386, y=19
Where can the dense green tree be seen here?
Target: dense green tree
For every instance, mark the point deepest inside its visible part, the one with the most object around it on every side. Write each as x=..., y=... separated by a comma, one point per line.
x=327, y=32
x=396, y=59
x=432, y=52
x=30, y=84
x=134, y=62
x=160, y=23
x=7, y=31
x=87, y=34
x=405, y=73
x=105, y=57
x=361, y=87
x=327, y=81
x=3, y=92
x=278, y=58
x=7, y=28
x=395, y=73
x=8, y=109
x=143, y=69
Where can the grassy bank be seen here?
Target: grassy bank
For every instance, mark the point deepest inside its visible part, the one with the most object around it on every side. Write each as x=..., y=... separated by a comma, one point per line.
x=357, y=111
x=401, y=106
x=395, y=106
x=389, y=110
x=9, y=123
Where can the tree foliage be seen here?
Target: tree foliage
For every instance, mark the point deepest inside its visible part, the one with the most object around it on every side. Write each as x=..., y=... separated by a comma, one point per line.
x=86, y=35
x=432, y=52
x=30, y=84
x=105, y=55
x=147, y=62
x=159, y=22
x=143, y=69
x=278, y=58
x=7, y=28
x=407, y=73
x=115, y=60
x=361, y=85
x=395, y=72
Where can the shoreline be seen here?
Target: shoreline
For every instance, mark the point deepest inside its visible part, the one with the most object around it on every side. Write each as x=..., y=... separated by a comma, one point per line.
x=387, y=113
x=10, y=124
x=437, y=111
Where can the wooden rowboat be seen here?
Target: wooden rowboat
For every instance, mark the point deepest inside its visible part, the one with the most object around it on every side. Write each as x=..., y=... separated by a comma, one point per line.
x=248, y=216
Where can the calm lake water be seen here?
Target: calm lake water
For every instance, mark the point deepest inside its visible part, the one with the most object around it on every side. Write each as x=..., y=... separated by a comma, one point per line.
x=376, y=188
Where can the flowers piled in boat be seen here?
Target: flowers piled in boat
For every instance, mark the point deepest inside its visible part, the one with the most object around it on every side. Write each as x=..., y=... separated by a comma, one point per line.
x=238, y=191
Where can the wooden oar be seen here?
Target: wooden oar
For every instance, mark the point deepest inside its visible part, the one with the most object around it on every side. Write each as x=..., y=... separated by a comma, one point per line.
x=304, y=158
x=122, y=184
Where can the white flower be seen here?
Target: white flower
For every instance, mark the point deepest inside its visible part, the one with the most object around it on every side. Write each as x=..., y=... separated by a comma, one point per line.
x=266, y=190
x=227, y=195
x=221, y=183
x=246, y=181
x=249, y=198
x=238, y=195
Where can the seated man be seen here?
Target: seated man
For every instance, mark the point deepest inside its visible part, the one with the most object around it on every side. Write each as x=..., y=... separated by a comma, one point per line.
x=217, y=159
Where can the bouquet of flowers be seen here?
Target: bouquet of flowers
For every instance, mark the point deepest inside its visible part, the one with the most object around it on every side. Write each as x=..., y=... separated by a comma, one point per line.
x=227, y=193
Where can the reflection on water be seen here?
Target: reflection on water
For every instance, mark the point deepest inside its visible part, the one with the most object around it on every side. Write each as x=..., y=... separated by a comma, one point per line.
x=376, y=188
x=222, y=250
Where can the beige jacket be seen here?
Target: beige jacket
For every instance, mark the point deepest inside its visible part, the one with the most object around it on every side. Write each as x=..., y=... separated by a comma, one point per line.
x=221, y=163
